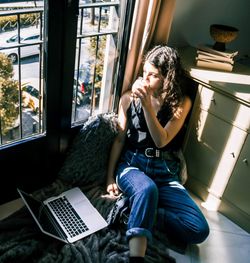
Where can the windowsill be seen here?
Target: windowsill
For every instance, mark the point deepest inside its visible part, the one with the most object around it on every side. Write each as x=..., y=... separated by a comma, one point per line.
x=10, y=207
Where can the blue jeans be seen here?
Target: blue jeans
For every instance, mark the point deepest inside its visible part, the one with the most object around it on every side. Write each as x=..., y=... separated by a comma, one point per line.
x=158, y=199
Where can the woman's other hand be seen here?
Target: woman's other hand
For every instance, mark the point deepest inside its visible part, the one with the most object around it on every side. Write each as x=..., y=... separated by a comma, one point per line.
x=141, y=90
x=112, y=188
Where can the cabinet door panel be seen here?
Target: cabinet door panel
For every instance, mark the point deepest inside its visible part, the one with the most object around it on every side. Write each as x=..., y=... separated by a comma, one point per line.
x=238, y=188
x=211, y=151
x=225, y=108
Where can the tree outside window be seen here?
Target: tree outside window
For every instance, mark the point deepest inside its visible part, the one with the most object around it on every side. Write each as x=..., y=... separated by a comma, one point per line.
x=9, y=96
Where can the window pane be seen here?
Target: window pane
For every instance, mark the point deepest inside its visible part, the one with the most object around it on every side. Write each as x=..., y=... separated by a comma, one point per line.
x=100, y=25
x=21, y=76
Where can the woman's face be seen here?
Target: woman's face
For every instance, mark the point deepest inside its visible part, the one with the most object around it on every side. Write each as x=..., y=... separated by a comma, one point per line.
x=152, y=76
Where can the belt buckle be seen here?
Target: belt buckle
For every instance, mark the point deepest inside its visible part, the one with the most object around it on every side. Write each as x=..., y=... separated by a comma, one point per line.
x=147, y=154
x=157, y=153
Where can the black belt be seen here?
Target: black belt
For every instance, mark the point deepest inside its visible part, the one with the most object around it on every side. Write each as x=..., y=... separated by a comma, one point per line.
x=155, y=153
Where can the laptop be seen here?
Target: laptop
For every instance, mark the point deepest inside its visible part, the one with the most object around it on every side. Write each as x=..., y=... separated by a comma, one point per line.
x=68, y=217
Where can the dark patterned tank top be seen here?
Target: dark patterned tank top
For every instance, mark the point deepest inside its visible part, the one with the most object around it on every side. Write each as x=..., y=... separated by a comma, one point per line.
x=138, y=135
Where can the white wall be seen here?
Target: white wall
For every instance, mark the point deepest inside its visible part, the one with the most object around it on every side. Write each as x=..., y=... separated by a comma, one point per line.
x=193, y=18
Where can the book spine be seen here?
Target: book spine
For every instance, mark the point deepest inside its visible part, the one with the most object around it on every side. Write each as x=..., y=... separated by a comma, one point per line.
x=211, y=65
x=205, y=55
x=216, y=52
x=214, y=59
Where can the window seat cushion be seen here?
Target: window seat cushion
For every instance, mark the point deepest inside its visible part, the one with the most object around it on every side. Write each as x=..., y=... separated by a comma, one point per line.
x=87, y=158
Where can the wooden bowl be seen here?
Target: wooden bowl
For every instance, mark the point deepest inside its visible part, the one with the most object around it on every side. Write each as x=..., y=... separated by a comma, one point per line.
x=222, y=34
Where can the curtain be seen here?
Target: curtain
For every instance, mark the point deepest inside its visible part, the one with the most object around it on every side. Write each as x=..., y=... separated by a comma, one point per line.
x=151, y=25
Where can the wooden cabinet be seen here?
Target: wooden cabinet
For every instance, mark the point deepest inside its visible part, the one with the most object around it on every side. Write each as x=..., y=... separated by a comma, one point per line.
x=217, y=144
x=213, y=143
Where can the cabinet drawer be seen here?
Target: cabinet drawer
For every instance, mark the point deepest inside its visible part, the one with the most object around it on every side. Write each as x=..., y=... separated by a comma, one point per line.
x=237, y=191
x=225, y=108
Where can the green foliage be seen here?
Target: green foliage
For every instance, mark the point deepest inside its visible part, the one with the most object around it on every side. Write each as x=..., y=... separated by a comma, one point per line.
x=10, y=22
x=9, y=96
x=99, y=57
x=6, y=67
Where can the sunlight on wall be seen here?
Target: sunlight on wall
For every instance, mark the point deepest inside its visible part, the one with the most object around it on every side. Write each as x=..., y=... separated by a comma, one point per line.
x=206, y=101
x=227, y=77
x=202, y=122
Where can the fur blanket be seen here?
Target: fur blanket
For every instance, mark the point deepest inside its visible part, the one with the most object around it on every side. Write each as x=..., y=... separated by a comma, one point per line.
x=85, y=166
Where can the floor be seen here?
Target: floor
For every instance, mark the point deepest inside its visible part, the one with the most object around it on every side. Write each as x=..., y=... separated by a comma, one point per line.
x=227, y=242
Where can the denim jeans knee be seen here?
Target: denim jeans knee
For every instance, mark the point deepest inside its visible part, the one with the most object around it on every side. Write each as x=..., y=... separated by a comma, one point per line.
x=180, y=217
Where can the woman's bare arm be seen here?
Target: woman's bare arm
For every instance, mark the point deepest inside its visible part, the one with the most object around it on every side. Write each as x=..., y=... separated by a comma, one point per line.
x=163, y=135
x=118, y=143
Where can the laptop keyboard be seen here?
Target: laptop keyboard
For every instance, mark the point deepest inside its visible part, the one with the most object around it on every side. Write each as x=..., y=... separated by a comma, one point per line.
x=68, y=216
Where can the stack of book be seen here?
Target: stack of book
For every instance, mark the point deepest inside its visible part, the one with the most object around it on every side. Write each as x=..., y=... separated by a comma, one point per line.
x=207, y=57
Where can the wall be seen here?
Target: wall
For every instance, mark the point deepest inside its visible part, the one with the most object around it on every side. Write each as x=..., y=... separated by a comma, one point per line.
x=192, y=19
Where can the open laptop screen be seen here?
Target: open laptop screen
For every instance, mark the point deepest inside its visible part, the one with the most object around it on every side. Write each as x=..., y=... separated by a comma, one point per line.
x=42, y=216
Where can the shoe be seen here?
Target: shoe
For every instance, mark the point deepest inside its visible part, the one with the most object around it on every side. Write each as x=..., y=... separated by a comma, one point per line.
x=177, y=245
x=171, y=242
x=120, y=212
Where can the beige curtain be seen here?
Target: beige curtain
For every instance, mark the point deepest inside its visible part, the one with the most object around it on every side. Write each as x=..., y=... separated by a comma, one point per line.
x=151, y=25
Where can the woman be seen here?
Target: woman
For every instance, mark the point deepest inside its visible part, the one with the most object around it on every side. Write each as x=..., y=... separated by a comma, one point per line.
x=143, y=156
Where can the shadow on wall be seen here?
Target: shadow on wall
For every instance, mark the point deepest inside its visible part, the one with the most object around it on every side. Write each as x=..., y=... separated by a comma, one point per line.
x=193, y=18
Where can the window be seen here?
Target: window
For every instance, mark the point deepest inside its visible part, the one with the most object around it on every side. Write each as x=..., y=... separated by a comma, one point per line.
x=46, y=97
x=98, y=53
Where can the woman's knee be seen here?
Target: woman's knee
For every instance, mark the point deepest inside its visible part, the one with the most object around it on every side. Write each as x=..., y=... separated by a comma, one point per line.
x=188, y=229
x=196, y=234
x=149, y=190
x=146, y=196
x=201, y=233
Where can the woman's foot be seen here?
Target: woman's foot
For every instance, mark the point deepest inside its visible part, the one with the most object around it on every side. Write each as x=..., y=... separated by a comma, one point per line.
x=136, y=260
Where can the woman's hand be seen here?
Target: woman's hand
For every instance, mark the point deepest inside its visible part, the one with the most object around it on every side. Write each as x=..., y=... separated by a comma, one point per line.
x=141, y=90
x=112, y=188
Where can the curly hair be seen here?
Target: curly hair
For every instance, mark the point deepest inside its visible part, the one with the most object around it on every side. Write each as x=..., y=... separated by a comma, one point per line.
x=167, y=61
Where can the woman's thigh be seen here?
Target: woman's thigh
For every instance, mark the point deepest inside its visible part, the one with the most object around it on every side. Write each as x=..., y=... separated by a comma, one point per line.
x=132, y=180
